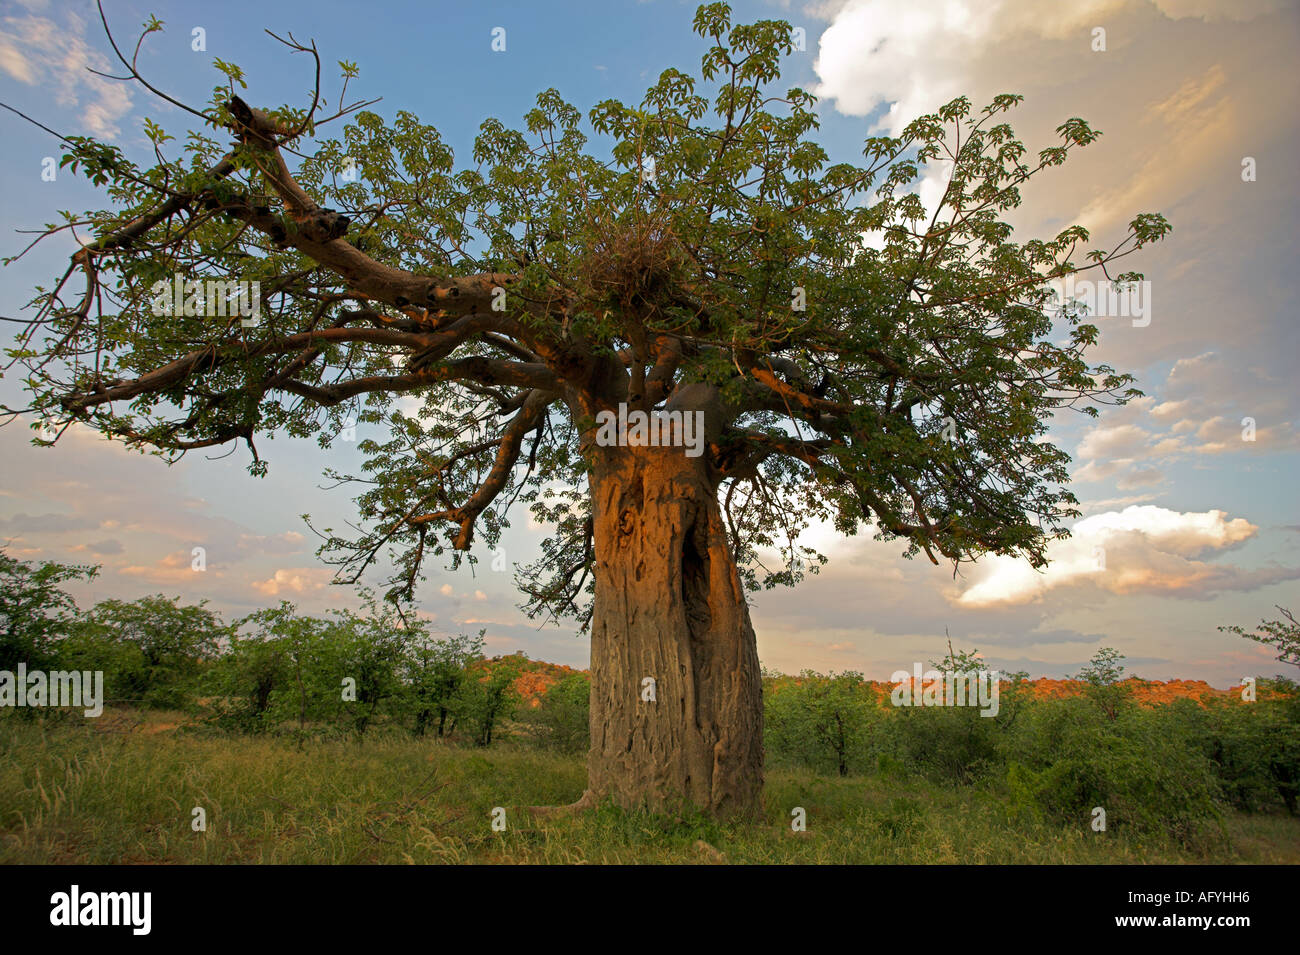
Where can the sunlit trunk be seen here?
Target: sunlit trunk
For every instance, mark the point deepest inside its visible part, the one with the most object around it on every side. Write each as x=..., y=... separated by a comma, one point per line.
x=676, y=699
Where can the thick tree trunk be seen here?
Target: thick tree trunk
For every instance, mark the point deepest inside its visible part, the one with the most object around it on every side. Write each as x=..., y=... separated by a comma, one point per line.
x=669, y=608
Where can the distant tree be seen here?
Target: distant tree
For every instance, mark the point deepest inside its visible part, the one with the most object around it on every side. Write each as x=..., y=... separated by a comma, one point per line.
x=487, y=696
x=823, y=719
x=957, y=743
x=433, y=671
x=251, y=674
x=152, y=650
x=306, y=661
x=1104, y=674
x=564, y=713
x=35, y=611
x=1283, y=635
x=374, y=644
x=959, y=661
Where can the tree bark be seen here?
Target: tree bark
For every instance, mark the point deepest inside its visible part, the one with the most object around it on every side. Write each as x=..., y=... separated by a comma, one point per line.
x=669, y=607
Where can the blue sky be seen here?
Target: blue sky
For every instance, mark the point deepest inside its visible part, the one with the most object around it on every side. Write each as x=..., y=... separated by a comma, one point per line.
x=1200, y=527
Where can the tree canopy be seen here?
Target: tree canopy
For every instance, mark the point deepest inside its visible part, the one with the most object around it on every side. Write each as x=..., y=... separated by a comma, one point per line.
x=861, y=359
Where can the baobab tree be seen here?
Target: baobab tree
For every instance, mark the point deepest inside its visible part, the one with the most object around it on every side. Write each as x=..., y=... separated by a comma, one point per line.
x=849, y=356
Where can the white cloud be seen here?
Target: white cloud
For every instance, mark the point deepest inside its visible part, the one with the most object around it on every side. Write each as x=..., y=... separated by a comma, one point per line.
x=1122, y=441
x=1219, y=9
x=297, y=580
x=1139, y=549
x=1199, y=414
x=1186, y=534
x=54, y=56
x=918, y=56
x=1110, y=503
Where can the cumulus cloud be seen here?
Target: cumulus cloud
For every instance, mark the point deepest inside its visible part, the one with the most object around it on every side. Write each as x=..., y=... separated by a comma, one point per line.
x=1141, y=549
x=296, y=580
x=1111, y=503
x=1185, y=534
x=1205, y=407
x=290, y=542
x=914, y=57
x=1140, y=477
x=1198, y=413
x=1122, y=441
x=174, y=568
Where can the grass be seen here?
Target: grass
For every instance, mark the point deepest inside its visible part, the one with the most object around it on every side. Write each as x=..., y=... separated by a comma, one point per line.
x=123, y=791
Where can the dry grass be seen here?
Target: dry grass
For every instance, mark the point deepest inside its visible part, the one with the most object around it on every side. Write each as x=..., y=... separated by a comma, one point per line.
x=123, y=790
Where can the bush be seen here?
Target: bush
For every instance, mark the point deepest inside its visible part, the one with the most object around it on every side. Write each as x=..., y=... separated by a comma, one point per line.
x=243, y=682
x=1071, y=757
x=369, y=649
x=35, y=612
x=152, y=650
x=487, y=697
x=340, y=674
x=1255, y=748
x=1105, y=685
x=563, y=718
x=433, y=672
x=955, y=744
x=822, y=722
x=948, y=744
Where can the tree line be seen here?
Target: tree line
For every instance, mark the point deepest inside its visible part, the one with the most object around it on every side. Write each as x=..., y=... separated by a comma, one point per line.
x=1171, y=768
x=277, y=669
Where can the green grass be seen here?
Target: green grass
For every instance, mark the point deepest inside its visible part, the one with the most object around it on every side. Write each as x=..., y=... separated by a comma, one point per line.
x=122, y=791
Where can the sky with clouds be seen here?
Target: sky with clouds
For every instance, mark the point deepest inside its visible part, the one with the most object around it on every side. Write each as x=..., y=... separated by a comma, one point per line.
x=1190, y=517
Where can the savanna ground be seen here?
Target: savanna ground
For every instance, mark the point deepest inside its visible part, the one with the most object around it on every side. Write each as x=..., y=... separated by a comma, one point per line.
x=122, y=789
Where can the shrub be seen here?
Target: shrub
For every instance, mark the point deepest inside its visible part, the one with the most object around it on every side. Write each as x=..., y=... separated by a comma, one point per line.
x=433, y=672
x=487, y=697
x=152, y=650
x=244, y=681
x=949, y=744
x=822, y=722
x=35, y=612
x=1071, y=757
x=1255, y=749
x=564, y=716
x=955, y=744
x=1104, y=679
